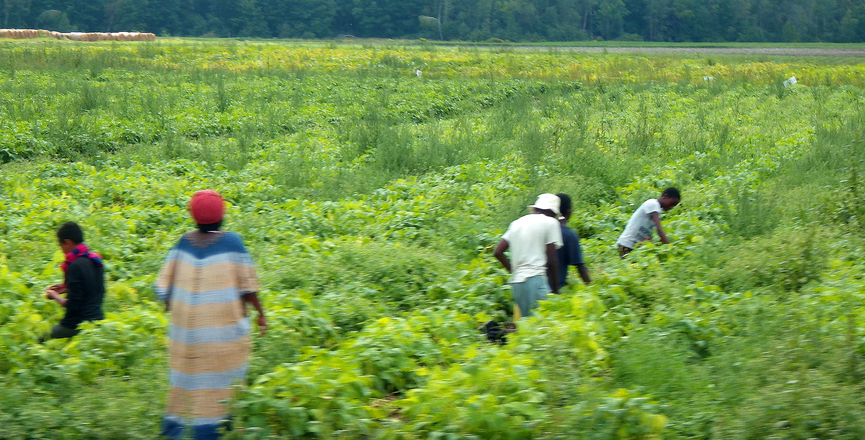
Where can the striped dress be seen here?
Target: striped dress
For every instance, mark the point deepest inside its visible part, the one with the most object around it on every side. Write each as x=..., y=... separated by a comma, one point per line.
x=203, y=279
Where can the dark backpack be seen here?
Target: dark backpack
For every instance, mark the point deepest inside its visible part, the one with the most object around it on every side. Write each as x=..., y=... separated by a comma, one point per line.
x=496, y=332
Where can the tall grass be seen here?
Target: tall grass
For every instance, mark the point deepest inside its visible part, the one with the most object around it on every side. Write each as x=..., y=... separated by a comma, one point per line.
x=381, y=120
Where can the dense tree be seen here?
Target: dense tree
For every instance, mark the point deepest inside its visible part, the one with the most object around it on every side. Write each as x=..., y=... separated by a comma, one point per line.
x=471, y=20
x=15, y=12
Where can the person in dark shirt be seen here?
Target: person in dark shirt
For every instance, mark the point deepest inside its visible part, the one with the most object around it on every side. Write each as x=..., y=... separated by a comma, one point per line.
x=83, y=285
x=570, y=254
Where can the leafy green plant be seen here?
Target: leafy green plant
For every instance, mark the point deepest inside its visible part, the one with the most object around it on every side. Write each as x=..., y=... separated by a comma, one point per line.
x=494, y=394
x=371, y=199
x=319, y=396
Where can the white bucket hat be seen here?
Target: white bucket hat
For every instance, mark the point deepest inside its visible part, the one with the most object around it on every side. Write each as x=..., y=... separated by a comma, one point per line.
x=549, y=202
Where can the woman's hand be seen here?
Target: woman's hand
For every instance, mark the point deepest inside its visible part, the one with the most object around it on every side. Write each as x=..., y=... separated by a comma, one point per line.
x=262, y=324
x=53, y=295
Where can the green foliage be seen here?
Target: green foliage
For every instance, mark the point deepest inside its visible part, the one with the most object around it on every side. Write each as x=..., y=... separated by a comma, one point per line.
x=621, y=415
x=460, y=20
x=371, y=199
x=318, y=396
x=787, y=260
x=575, y=344
x=493, y=394
x=297, y=322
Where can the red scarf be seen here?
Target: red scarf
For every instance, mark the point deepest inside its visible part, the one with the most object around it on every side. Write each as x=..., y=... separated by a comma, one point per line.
x=79, y=252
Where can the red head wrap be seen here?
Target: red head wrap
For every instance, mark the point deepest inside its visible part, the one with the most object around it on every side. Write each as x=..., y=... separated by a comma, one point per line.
x=207, y=207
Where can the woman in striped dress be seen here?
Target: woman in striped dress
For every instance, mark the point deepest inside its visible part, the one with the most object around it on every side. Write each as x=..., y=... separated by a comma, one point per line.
x=206, y=282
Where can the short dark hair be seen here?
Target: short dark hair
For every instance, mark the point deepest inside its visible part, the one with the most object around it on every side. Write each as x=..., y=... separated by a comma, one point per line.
x=70, y=231
x=565, y=204
x=547, y=212
x=672, y=193
x=212, y=227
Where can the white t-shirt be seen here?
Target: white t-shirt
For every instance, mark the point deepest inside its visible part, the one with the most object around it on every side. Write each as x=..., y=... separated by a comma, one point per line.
x=528, y=237
x=640, y=226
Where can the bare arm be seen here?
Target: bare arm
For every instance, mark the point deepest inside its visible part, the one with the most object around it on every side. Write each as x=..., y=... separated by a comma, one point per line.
x=73, y=288
x=54, y=295
x=500, y=254
x=584, y=273
x=656, y=218
x=552, y=267
x=252, y=298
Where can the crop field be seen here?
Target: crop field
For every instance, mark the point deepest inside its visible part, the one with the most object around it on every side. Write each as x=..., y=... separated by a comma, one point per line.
x=371, y=181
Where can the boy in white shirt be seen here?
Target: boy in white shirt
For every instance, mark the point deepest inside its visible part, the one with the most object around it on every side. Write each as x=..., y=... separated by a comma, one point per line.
x=646, y=219
x=533, y=240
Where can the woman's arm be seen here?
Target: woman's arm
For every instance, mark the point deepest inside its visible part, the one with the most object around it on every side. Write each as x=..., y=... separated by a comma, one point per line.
x=54, y=295
x=252, y=298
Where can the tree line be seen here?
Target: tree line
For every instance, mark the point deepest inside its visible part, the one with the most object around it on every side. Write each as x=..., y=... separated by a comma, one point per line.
x=468, y=20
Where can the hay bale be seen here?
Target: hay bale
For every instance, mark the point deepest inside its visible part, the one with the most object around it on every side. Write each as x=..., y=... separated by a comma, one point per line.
x=22, y=34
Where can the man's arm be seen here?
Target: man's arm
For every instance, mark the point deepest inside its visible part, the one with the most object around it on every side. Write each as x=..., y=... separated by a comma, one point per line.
x=500, y=254
x=552, y=273
x=657, y=219
x=577, y=260
x=584, y=273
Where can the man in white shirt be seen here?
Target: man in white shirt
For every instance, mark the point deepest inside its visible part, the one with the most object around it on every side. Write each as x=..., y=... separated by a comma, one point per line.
x=533, y=240
x=646, y=219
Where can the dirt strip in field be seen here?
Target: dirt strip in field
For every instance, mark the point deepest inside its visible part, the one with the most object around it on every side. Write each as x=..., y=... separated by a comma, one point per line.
x=772, y=51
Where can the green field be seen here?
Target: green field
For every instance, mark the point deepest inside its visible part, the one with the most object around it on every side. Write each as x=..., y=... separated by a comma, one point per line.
x=370, y=199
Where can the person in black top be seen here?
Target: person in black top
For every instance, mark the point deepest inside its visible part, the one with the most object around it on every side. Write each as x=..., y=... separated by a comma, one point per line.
x=570, y=254
x=84, y=284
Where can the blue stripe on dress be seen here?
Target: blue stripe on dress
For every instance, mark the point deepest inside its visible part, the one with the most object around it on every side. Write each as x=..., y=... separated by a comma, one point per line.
x=198, y=421
x=229, y=242
x=225, y=257
x=210, y=297
x=207, y=381
x=209, y=334
x=162, y=294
